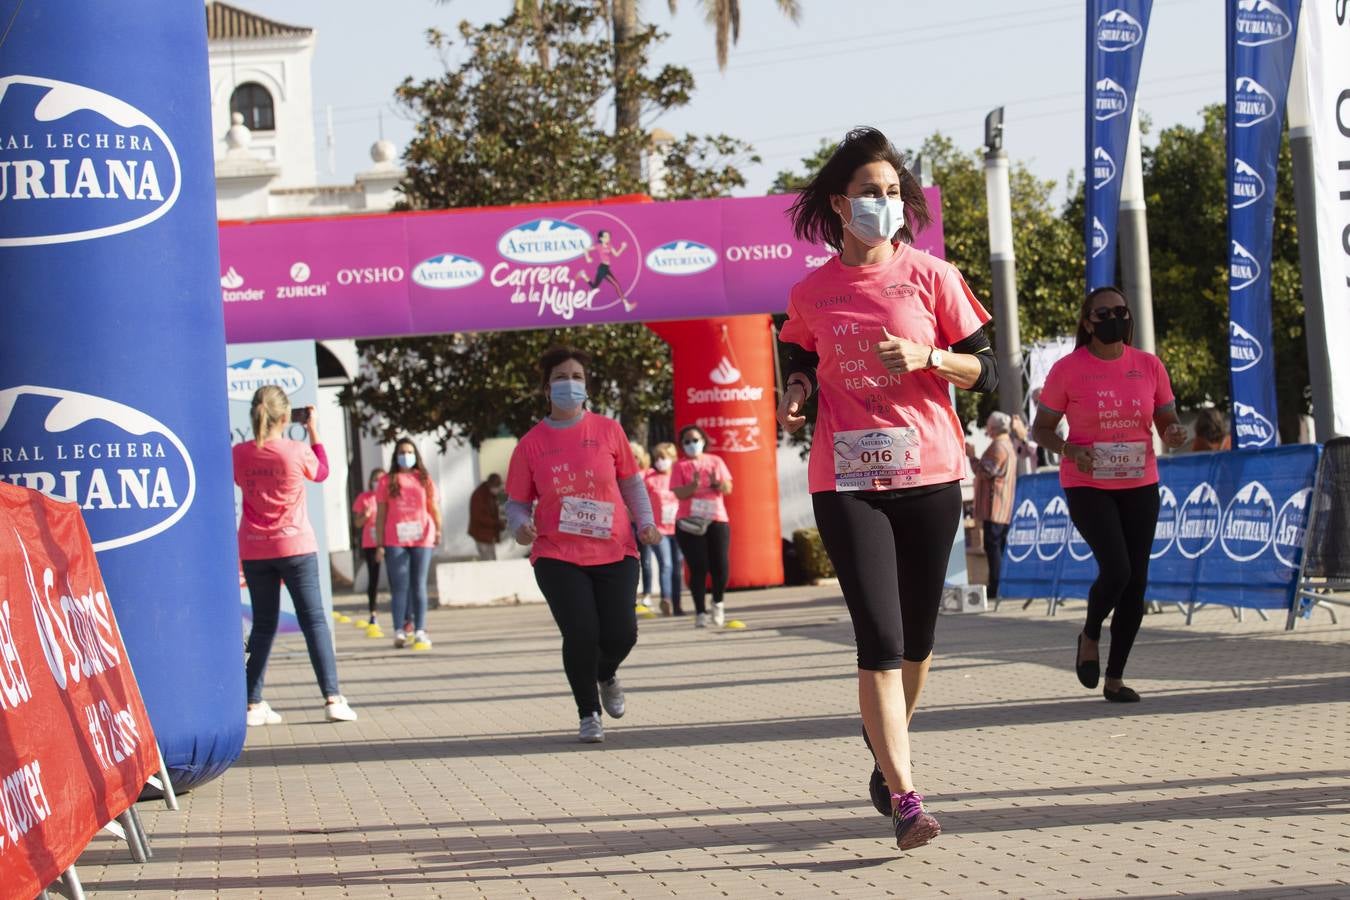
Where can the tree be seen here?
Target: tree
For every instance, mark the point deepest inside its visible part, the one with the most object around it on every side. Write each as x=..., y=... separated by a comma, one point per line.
x=493, y=132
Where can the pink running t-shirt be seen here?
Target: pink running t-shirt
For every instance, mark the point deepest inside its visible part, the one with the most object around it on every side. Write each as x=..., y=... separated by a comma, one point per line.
x=274, y=522
x=574, y=474
x=882, y=431
x=706, y=503
x=1109, y=405
x=665, y=505
x=408, y=521
x=368, y=504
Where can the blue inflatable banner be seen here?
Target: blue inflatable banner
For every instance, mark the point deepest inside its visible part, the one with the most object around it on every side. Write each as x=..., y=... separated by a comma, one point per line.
x=111, y=357
x=1260, y=56
x=1115, y=50
x=1230, y=531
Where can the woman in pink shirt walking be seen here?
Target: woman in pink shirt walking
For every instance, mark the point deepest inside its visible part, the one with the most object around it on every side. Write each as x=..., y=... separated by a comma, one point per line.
x=364, y=510
x=574, y=489
x=408, y=522
x=1112, y=396
x=277, y=546
x=701, y=482
x=882, y=332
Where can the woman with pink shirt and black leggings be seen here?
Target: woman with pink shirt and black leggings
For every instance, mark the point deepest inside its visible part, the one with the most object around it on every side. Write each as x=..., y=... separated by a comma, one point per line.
x=882, y=332
x=575, y=495
x=1112, y=396
x=277, y=546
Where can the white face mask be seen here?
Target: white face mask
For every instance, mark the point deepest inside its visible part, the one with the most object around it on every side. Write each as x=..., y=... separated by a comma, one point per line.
x=875, y=219
x=662, y=465
x=693, y=448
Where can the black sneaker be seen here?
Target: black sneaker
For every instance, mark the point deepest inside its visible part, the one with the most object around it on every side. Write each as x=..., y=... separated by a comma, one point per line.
x=876, y=785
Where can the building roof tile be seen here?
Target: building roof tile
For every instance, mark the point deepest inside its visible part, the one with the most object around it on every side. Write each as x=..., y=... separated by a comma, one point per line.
x=225, y=22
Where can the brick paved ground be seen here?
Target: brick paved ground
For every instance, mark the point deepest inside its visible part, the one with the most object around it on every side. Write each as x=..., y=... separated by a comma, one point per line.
x=739, y=770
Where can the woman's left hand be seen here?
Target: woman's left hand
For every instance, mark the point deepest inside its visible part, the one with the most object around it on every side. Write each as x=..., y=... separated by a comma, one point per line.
x=1175, y=435
x=649, y=535
x=901, y=356
x=312, y=424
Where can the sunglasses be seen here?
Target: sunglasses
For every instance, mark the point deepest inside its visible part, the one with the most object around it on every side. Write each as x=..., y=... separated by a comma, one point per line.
x=1102, y=313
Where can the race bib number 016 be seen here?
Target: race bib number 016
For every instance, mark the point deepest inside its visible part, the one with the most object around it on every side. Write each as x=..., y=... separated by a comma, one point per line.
x=1112, y=461
x=587, y=518
x=876, y=459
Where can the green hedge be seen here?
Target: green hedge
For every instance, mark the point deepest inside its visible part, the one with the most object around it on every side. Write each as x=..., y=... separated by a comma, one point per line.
x=815, y=562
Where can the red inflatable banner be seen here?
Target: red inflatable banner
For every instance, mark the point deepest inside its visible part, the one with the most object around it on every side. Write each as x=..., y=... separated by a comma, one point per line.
x=724, y=384
x=76, y=746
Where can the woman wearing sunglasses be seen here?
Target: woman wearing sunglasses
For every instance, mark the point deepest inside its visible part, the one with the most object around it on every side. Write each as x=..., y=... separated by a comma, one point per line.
x=1113, y=396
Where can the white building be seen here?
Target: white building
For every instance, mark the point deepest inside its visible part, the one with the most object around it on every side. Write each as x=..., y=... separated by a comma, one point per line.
x=263, y=115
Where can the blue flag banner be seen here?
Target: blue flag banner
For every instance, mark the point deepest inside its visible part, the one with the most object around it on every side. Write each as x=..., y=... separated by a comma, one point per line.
x=1230, y=531
x=1115, y=49
x=1260, y=56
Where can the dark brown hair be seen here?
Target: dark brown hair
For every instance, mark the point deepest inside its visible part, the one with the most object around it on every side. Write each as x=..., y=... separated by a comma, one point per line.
x=815, y=221
x=1089, y=304
x=701, y=433
x=394, y=489
x=556, y=356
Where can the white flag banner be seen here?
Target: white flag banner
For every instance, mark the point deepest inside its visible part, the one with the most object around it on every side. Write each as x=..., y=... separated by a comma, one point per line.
x=1325, y=57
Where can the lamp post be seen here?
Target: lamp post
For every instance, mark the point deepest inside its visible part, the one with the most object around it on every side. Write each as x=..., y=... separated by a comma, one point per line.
x=1003, y=270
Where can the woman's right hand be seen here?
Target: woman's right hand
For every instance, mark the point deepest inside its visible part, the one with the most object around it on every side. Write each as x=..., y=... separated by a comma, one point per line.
x=1082, y=457
x=312, y=424
x=526, y=534
x=379, y=554
x=790, y=408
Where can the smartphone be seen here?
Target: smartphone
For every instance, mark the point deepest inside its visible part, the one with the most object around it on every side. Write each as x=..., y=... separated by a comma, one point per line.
x=300, y=416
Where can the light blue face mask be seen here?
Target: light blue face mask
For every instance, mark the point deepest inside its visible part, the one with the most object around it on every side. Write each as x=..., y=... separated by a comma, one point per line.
x=876, y=219
x=407, y=460
x=567, y=395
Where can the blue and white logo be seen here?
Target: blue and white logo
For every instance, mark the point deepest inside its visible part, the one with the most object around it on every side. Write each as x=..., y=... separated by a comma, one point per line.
x=1261, y=22
x=1251, y=103
x=1247, y=185
x=681, y=258
x=1109, y=100
x=1117, y=31
x=1290, y=526
x=131, y=475
x=1078, y=548
x=1198, y=521
x=447, y=271
x=1103, y=168
x=1054, y=530
x=1100, y=239
x=1244, y=350
x=1250, y=428
x=1248, y=523
x=1243, y=269
x=544, y=241
x=1165, y=533
x=1023, y=532
x=78, y=164
x=243, y=378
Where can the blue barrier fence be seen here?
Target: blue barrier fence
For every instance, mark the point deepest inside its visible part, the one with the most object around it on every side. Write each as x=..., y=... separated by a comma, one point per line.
x=1230, y=532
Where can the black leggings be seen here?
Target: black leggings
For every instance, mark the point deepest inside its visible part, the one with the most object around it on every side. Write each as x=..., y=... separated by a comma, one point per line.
x=1118, y=526
x=707, y=553
x=593, y=606
x=373, y=571
x=890, y=550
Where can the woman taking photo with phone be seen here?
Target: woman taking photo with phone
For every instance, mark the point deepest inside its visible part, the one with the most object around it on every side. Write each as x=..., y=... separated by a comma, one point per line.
x=882, y=332
x=700, y=481
x=277, y=546
x=575, y=495
x=1112, y=396
x=408, y=516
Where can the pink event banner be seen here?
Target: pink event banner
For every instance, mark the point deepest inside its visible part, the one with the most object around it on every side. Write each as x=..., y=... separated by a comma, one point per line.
x=526, y=267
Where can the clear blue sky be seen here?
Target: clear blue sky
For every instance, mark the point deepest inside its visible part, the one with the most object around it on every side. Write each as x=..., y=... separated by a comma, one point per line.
x=910, y=67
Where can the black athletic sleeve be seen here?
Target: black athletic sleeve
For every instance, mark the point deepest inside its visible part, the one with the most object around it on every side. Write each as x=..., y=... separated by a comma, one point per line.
x=799, y=359
x=977, y=344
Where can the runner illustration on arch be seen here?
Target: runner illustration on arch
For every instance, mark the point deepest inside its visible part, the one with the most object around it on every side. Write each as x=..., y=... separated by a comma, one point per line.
x=607, y=253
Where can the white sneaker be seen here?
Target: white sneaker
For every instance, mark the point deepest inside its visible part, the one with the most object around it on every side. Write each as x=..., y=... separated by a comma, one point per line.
x=592, y=730
x=262, y=714
x=422, y=640
x=339, y=711
x=719, y=616
x=400, y=639
x=701, y=620
x=646, y=601
x=611, y=697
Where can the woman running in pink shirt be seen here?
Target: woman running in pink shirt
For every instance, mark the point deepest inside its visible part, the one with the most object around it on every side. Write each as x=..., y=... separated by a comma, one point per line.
x=574, y=489
x=882, y=332
x=607, y=253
